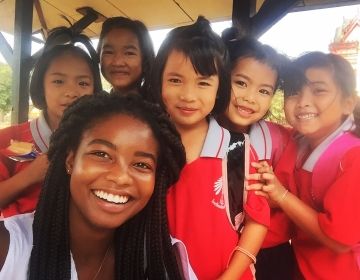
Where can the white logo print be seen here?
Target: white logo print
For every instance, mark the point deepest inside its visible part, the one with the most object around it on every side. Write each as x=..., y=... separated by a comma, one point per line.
x=218, y=200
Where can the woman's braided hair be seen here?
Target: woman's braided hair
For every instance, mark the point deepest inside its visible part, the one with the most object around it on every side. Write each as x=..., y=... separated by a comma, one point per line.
x=142, y=244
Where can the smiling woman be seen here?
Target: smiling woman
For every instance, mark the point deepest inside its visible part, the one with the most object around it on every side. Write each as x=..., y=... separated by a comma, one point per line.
x=106, y=186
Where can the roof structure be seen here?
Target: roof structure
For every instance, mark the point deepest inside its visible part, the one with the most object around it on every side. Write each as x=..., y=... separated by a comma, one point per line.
x=253, y=16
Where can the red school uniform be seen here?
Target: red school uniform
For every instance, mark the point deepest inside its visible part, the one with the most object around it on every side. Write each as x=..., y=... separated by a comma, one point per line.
x=269, y=141
x=199, y=211
x=337, y=205
x=37, y=132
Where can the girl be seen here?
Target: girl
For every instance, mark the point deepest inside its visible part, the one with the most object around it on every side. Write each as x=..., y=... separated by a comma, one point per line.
x=105, y=187
x=255, y=77
x=126, y=53
x=205, y=207
x=62, y=74
x=320, y=98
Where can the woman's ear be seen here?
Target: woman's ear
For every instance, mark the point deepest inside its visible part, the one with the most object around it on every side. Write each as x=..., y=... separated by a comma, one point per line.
x=69, y=162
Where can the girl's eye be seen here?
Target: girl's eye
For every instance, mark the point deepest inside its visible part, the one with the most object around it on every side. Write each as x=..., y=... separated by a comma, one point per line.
x=265, y=92
x=174, y=80
x=204, y=84
x=130, y=53
x=104, y=52
x=58, y=82
x=319, y=91
x=84, y=84
x=241, y=84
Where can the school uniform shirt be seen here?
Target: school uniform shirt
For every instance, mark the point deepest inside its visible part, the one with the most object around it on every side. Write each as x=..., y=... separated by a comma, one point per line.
x=198, y=211
x=338, y=211
x=269, y=140
x=21, y=242
x=37, y=132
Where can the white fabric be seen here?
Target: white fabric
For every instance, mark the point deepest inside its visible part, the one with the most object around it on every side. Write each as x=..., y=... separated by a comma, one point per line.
x=21, y=241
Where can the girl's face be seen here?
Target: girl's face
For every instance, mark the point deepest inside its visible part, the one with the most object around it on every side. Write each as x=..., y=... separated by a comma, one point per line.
x=253, y=86
x=121, y=58
x=319, y=108
x=112, y=172
x=67, y=78
x=188, y=96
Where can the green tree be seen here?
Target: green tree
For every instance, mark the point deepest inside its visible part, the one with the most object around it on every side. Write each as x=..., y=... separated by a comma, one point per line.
x=277, y=114
x=5, y=88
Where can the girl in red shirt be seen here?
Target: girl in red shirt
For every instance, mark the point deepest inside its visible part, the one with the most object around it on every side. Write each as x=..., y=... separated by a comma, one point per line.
x=320, y=98
x=207, y=207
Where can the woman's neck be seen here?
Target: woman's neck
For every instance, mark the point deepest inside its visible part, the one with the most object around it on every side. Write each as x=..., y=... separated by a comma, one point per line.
x=193, y=139
x=53, y=123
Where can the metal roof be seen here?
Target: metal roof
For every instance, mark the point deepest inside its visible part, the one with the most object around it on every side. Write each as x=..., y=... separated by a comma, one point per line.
x=156, y=14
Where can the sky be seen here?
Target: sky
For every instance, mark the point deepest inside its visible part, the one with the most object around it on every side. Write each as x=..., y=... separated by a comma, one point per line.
x=293, y=35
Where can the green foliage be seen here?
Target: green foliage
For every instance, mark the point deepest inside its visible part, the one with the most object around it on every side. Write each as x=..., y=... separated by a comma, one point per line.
x=277, y=114
x=5, y=88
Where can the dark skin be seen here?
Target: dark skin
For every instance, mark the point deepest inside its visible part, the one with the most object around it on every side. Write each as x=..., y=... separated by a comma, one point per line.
x=4, y=239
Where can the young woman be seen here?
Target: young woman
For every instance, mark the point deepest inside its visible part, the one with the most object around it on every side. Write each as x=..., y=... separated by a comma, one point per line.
x=320, y=98
x=206, y=206
x=105, y=187
x=62, y=74
x=126, y=53
x=256, y=71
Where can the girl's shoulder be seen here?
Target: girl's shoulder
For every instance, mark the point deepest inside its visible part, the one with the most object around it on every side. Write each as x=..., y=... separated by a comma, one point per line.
x=18, y=132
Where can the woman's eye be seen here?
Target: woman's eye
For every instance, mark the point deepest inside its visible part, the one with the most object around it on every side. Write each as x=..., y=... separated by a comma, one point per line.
x=101, y=154
x=143, y=165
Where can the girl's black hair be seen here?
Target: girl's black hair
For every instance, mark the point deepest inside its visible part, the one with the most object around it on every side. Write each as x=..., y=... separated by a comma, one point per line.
x=249, y=47
x=142, y=244
x=62, y=41
x=342, y=71
x=207, y=54
x=141, y=32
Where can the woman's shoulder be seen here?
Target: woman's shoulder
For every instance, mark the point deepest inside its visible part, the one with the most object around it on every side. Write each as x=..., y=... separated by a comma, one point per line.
x=20, y=240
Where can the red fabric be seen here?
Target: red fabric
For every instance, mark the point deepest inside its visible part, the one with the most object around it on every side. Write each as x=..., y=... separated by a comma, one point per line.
x=339, y=219
x=27, y=201
x=280, y=226
x=197, y=217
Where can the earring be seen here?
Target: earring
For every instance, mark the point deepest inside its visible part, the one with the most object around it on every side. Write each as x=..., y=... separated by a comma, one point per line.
x=68, y=171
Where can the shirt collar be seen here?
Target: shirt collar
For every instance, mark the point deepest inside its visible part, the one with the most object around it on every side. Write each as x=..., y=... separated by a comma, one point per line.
x=216, y=141
x=309, y=164
x=41, y=132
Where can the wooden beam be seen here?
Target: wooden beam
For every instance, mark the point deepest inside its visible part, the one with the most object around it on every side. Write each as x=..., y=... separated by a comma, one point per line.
x=241, y=12
x=22, y=54
x=41, y=17
x=270, y=12
x=6, y=50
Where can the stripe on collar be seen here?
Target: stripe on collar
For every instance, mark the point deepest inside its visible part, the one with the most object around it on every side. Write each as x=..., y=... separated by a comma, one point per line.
x=216, y=141
x=309, y=164
x=41, y=132
x=260, y=139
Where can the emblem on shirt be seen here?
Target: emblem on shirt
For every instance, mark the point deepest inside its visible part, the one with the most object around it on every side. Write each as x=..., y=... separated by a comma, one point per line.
x=218, y=200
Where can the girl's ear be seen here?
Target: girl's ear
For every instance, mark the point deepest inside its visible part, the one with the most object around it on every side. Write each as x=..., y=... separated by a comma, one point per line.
x=350, y=104
x=69, y=162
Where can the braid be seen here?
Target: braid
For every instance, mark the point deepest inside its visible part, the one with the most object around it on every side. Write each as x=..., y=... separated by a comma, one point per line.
x=141, y=242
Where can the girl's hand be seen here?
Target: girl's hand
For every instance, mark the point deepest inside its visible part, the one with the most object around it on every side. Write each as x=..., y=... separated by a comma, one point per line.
x=267, y=184
x=37, y=169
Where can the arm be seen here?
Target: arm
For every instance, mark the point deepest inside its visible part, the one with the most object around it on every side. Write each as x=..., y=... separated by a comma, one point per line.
x=4, y=244
x=11, y=188
x=251, y=240
x=305, y=217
